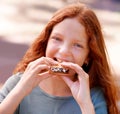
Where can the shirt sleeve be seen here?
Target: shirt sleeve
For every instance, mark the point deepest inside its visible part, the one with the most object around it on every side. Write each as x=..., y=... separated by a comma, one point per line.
x=99, y=101
x=8, y=86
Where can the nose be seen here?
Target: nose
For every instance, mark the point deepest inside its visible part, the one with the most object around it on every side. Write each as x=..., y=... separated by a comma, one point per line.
x=64, y=50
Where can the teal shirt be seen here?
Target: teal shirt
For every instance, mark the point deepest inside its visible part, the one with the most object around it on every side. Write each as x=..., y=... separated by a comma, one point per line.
x=39, y=102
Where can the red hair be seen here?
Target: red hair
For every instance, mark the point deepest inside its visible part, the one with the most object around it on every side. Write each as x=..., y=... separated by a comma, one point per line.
x=98, y=67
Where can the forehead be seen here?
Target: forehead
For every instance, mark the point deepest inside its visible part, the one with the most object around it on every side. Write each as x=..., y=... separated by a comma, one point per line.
x=70, y=22
x=70, y=27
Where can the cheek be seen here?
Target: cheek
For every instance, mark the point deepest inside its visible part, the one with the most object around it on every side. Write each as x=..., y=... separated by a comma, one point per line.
x=50, y=50
x=79, y=60
x=80, y=57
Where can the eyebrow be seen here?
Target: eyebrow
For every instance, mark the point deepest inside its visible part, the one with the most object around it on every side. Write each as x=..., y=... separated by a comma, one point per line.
x=58, y=34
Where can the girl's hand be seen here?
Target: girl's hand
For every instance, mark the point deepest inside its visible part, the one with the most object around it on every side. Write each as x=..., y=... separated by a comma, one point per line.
x=79, y=88
x=35, y=72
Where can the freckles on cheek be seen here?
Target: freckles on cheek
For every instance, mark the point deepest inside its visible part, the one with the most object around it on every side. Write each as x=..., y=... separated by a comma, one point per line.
x=79, y=59
x=49, y=51
x=80, y=62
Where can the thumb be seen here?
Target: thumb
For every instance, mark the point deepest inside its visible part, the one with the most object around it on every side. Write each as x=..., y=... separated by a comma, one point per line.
x=44, y=75
x=68, y=81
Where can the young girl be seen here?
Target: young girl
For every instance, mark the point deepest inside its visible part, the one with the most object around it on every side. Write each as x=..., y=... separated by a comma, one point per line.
x=74, y=40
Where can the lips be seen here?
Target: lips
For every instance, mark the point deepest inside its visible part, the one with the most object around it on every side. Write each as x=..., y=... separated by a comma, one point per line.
x=60, y=70
x=60, y=60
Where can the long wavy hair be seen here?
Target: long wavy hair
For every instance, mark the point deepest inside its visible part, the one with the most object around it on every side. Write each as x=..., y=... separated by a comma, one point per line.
x=98, y=67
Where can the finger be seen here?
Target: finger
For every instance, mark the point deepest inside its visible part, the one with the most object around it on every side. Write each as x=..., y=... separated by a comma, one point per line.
x=67, y=80
x=39, y=69
x=42, y=60
x=50, y=61
x=76, y=68
x=36, y=62
x=44, y=75
x=73, y=66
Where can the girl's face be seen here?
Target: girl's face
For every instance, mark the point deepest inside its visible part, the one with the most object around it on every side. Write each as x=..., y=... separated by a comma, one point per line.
x=68, y=42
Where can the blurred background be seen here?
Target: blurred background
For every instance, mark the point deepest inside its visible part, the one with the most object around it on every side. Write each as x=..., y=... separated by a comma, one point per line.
x=21, y=21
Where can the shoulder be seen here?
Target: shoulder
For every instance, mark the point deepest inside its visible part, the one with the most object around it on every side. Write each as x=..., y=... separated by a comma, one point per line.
x=9, y=85
x=96, y=93
x=12, y=81
x=99, y=100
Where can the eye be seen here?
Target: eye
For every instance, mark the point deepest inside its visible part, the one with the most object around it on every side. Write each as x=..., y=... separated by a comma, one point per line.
x=56, y=38
x=78, y=45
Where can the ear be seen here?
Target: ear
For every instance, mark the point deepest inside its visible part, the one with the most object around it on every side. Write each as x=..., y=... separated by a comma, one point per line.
x=86, y=62
x=86, y=66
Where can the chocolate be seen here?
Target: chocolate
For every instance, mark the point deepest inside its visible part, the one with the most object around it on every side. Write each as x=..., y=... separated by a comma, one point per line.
x=59, y=69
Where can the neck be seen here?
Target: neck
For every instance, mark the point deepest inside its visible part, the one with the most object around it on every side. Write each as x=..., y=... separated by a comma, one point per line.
x=55, y=86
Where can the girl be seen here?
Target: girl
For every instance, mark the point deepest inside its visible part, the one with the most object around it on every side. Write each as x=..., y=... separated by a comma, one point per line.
x=73, y=39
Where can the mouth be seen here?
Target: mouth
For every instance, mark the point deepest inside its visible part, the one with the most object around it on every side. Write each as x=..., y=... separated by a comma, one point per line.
x=54, y=59
x=58, y=69
x=58, y=60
